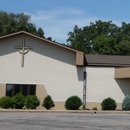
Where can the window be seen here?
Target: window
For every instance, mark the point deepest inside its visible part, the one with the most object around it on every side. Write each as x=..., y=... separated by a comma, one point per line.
x=13, y=89
x=9, y=90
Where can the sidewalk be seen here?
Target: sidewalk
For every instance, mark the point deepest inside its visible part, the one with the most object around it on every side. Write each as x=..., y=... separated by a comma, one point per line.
x=67, y=111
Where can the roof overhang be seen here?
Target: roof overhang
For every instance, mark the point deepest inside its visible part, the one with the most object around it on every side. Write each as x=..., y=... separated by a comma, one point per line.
x=108, y=60
x=122, y=73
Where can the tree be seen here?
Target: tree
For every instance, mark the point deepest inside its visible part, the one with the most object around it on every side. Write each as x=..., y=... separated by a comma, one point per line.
x=124, y=47
x=40, y=32
x=105, y=45
x=10, y=23
x=49, y=38
x=48, y=102
x=86, y=35
x=126, y=103
x=101, y=37
x=79, y=40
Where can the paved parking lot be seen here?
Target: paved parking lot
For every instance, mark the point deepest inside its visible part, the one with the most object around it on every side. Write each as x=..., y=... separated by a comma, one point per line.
x=63, y=121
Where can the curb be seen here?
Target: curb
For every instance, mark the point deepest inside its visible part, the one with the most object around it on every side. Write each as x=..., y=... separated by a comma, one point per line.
x=66, y=111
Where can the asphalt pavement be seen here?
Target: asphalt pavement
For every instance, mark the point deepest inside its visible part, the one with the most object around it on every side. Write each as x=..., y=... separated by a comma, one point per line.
x=63, y=121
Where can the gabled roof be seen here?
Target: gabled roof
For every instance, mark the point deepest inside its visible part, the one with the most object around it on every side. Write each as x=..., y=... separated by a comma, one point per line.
x=52, y=42
x=107, y=60
x=89, y=60
x=79, y=55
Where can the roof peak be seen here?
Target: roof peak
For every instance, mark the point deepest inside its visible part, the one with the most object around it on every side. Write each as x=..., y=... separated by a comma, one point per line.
x=41, y=38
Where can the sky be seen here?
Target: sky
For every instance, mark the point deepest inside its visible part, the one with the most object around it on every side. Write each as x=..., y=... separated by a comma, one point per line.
x=58, y=17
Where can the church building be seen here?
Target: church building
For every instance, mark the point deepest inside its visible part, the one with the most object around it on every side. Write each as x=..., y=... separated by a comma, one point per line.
x=32, y=65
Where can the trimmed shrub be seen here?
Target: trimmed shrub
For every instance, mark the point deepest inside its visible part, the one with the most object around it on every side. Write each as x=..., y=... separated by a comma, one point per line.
x=126, y=103
x=48, y=102
x=73, y=103
x=95, y=108
x=18, y=101
x=31, y=102
x=6, y=102
x=108, y=104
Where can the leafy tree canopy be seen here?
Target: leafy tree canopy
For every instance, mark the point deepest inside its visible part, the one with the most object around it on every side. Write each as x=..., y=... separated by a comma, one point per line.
x=10, y=23
x=101, y=37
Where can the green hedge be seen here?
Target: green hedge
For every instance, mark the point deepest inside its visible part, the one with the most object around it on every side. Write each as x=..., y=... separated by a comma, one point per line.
x=73, y=103
x=18, y=101
x=126, y=103
x=6, y=102
x=31, y=102
x=48, y=102
x=108, y=104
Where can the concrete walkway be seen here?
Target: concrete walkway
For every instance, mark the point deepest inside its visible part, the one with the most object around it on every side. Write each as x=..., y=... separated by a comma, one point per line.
x=67, y=111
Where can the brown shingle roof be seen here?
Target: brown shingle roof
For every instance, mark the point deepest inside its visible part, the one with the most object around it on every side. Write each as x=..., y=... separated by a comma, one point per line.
x=107, y=60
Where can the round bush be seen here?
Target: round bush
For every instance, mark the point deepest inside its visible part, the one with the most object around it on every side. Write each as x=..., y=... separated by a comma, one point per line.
x=126, y=103
x=18, y=101
x=108, y=104
x=48, y=102
x=31, y=102
x=73, y=103
x=6, y=102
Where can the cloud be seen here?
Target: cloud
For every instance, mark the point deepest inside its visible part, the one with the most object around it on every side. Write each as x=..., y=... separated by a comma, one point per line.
x=57, y=23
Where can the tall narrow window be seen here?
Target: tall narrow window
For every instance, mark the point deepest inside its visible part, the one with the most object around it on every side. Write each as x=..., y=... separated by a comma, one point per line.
x=25, y=90
x=17, y=89
x=32, y=89
x=9, y=90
